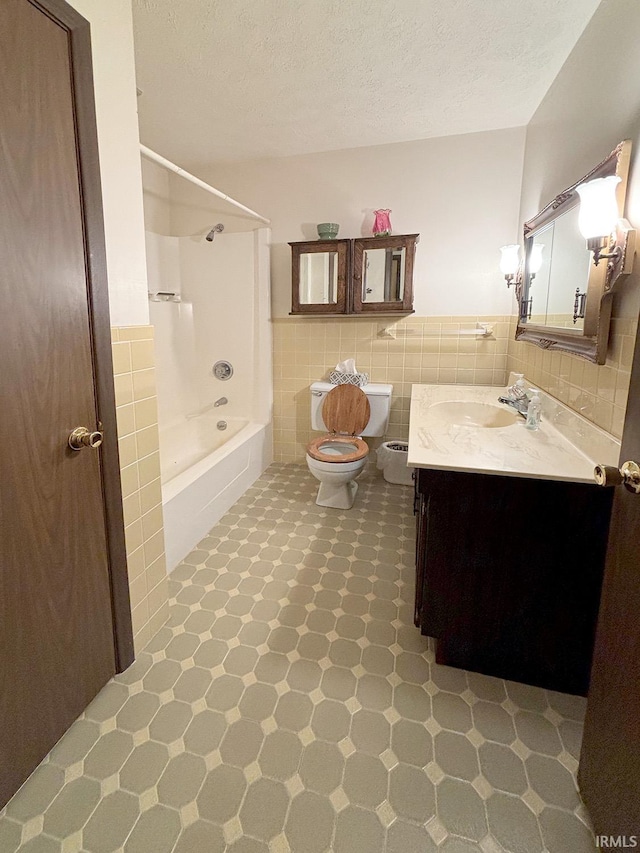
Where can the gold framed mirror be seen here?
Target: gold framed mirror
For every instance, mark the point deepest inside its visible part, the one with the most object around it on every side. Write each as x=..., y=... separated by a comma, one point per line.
x=564, y=297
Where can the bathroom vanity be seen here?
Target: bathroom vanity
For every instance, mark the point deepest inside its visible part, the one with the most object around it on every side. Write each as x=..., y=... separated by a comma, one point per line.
x=511, y=535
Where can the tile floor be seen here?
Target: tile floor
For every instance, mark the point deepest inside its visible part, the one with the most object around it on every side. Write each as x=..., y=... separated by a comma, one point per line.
x=291, y=705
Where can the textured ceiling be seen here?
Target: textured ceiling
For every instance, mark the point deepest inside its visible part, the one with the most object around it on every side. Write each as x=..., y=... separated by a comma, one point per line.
x=237, y=79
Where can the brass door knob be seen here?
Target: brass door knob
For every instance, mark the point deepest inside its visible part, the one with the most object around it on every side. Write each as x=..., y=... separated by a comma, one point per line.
x=82, y=437
x=628, y=475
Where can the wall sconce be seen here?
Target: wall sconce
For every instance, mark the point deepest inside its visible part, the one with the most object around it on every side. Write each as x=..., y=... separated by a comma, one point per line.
x=598, y=213
x=535, y=259
x=510, y=262
x=601, y=225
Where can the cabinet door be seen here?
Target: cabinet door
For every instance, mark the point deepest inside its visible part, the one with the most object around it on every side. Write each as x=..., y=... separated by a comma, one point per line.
x=382, y=279
x=319, y=272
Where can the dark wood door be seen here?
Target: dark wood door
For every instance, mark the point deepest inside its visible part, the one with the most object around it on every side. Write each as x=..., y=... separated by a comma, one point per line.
x=609, y=773
x=57, y=506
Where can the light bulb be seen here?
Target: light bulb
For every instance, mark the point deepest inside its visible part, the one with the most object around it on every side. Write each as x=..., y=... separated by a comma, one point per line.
x=510, y=259
x=535, y=258
x=598, y=207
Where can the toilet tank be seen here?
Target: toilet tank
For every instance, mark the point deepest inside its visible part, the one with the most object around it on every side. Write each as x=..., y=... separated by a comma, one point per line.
x=379, y=397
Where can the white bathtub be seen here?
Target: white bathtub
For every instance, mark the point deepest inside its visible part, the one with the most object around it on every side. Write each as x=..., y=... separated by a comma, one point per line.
x=204, y=472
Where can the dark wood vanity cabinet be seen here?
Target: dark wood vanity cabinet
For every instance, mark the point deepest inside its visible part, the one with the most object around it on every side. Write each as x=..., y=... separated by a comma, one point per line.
x=509, y=572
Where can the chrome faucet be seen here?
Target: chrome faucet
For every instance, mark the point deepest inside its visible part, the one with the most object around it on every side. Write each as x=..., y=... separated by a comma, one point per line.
x=221, y=402
x=521, y=406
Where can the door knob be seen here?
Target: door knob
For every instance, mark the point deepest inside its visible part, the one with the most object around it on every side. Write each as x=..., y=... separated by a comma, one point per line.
x=628, y=476
x=81, y=437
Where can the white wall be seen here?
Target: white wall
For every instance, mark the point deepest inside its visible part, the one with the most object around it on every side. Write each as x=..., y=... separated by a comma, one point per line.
x=195, y=211
x=156, y=198
x=174, y=206
x=118, y=144
x=461, y=193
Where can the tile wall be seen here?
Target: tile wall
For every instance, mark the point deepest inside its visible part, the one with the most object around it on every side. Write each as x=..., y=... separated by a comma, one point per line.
x=425, y=349
x=137, y=413
x=599, y=392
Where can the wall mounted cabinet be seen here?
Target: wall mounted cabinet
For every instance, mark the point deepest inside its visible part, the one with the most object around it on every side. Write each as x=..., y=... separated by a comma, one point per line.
x=370, y=275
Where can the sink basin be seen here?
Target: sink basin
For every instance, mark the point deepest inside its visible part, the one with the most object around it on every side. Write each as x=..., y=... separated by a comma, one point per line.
x=470, y=414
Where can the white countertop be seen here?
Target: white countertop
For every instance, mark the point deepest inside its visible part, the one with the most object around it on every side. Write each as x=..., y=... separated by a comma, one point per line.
x=565, y=446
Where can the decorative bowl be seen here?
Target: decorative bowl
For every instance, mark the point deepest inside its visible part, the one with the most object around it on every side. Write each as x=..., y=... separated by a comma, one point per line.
x=328, y=230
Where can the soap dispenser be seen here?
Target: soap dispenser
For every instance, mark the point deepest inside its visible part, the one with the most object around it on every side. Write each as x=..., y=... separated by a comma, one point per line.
x=534, y=412
x=518, y=391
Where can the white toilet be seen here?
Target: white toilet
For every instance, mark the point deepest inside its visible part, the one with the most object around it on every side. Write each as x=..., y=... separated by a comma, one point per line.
x=344, y=413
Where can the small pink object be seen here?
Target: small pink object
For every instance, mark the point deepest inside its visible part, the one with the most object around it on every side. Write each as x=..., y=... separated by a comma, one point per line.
x=382, y=223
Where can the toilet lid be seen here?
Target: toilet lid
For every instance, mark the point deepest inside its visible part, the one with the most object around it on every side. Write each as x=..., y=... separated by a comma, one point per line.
x=346, y=410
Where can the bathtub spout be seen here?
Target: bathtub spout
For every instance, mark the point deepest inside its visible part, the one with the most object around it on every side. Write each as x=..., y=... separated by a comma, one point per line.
x=221, y=402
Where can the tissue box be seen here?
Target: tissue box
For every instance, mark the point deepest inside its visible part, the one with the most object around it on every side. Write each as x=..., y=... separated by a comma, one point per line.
x=337, y=377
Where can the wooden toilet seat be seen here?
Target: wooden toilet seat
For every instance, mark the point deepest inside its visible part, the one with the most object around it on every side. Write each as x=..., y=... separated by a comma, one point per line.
x=346, y=413
x=315, y=452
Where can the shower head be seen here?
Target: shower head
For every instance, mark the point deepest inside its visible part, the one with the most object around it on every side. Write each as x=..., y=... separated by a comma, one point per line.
x=219, y=228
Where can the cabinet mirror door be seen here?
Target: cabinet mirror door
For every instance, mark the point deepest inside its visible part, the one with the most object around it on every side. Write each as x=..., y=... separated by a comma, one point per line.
x=319, y=272
x=383, y=274
x=557, y=275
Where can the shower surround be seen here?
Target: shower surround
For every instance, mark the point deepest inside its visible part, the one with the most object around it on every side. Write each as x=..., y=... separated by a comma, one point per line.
x=223, y=314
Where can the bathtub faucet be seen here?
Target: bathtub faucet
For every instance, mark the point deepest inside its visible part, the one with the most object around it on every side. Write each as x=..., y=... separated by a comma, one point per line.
x=221, y=402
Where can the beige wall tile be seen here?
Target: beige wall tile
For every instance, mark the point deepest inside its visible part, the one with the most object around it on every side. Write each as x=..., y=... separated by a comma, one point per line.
x=152, y=522
x=125, y=420
x=123, y=386
x=138, y=590
x=121, y=358
x=307, y=349
x=598, y=392
x=617, y=420
x=135, y=564
x=430, y=350
x=135, y=333
x=154, y=548
x=129, y=480
x=148, y=441
x=158, y=619
x=149, y=468
x=143, y=636
x=142, y=355
x=133, y=535
x=145, y=413
x=150, y=496
x=158, y=596
x=140, y=616
x=144, y=384
x=134, y=379
x=156, y=572
x=131, y=508
x=127, y=450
